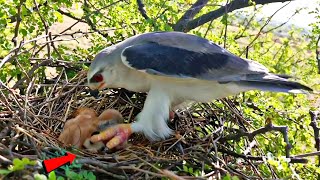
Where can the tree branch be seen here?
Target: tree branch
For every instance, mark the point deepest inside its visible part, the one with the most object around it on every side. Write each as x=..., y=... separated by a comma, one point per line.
x=71, y=16
x=269, y=127
x=247, y=157
x=89, y=22
x=318, y=53
x=189, y=14
x=18, y=19
x=316, y=130
x=86, y=18
x=142, y=9
x=234, y=5
x=261, y=29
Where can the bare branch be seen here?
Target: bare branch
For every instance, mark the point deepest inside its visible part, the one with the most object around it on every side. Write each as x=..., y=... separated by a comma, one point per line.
x=18, y=19
x=90, y=23
x=261, y=29
x=71, y=16
x=189, y=15
x=234, y=5
x=317, y=153
x=318, y=54
x=86, y=19
x=247, y=157
x=269, y=127
x=316, y=130
x=142, y=9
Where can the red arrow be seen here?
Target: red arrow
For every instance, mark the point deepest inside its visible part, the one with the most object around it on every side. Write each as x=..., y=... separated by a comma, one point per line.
x=52, y=164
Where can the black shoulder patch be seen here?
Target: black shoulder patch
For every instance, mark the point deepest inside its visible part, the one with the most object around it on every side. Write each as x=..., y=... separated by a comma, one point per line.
x=173, y=61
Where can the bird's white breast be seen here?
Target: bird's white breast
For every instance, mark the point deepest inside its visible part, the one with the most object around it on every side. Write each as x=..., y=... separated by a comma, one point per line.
x=179, y=89
x=195, y=89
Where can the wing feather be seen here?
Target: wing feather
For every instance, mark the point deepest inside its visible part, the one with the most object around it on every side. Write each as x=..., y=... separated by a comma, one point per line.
x=211, y=63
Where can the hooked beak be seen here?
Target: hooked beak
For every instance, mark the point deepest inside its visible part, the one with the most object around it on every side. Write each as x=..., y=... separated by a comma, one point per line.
x=94, y=89
x=101, y=86
x=94, y=93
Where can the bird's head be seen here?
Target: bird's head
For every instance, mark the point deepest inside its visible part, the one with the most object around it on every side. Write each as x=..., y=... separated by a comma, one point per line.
x=84, y=111
x=109, y=118
x=101, y=73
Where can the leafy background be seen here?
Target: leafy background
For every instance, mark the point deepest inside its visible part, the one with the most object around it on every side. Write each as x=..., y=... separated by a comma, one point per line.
x=47, y=45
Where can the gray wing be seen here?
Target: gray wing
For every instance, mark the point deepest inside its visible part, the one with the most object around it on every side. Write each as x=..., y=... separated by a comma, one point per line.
x=169, y=58
x=183, y=55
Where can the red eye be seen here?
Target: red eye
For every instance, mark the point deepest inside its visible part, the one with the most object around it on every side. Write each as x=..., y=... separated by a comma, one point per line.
x=97, y=78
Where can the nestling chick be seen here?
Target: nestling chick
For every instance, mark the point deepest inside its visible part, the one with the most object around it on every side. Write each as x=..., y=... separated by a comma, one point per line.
x=85, y=123
x=77, y=129
x=107, y=119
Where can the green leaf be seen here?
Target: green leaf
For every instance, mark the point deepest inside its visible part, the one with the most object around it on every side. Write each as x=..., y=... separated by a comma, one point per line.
x=91, y=176
x=60, y=178
x=235, y=178
x=58, y=16
x=52, y=175
x=185, y=168
x=25, y=161
x=23, y=32
x=17, y=162
x=72, y=175
x=17, y=165
x=227, y=177
x=190, y=170
x=224, y=19
x=4, y=171
x=31, y=29
x=40, y=177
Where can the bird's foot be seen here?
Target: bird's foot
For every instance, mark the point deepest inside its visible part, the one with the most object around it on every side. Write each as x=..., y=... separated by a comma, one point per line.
x=115, y=136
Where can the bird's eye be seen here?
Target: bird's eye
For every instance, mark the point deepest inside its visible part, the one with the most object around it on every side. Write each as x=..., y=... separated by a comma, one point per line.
x=97, y=78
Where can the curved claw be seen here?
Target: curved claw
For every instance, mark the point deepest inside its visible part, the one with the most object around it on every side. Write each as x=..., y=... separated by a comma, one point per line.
x=115, y=135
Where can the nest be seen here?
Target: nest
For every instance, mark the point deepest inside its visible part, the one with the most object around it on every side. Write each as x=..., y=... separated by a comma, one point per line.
x=203, y=144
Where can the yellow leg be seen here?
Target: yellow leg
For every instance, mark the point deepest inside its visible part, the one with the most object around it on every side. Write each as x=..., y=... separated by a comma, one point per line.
x=116, y=135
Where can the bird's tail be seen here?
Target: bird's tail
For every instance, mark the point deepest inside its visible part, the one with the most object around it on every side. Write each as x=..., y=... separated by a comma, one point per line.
x=274, y=83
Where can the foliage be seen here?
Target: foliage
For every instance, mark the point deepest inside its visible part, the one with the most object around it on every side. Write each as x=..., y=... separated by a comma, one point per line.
x=82, y=175
x=26, y=42
x=20, y=165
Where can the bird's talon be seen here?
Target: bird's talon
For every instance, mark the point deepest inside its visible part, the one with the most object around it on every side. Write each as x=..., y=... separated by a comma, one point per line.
x=115, y=136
